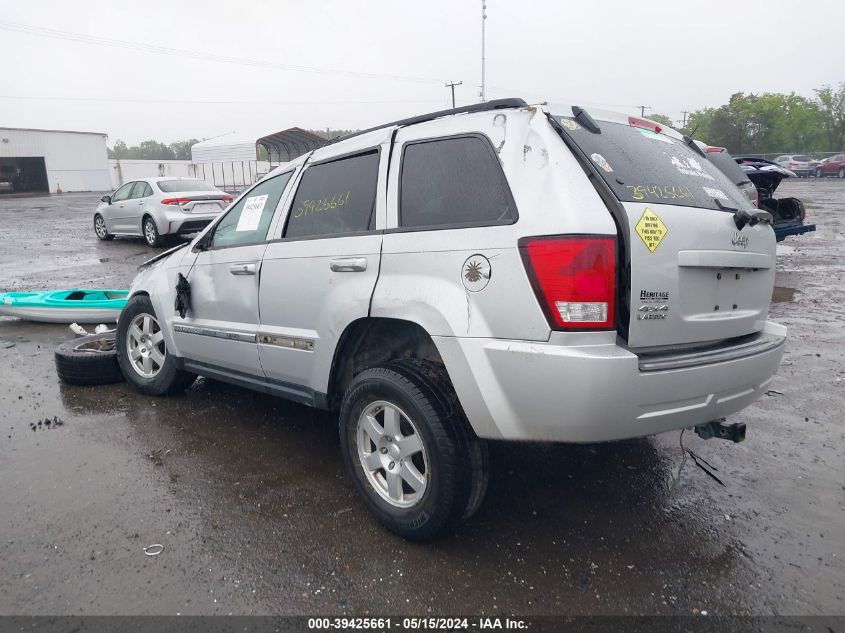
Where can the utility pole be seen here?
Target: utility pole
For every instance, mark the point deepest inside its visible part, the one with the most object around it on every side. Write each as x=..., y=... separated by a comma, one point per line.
x=642, y=110
x=483, y=43
x=452, y=84
x=685, y=113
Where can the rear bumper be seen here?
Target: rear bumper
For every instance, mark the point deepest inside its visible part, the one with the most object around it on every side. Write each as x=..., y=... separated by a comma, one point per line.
x=187, y=223
x=585, y=388
x=797, y=229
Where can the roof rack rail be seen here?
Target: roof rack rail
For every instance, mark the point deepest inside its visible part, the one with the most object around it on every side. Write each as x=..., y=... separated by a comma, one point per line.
x=495, y=104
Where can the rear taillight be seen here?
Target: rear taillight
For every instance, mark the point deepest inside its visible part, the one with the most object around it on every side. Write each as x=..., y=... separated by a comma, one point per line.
x=574, y=278
x=227, y=199
x=174, y=201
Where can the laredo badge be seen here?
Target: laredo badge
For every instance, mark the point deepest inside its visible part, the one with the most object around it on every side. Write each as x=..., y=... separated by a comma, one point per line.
x=651, y=229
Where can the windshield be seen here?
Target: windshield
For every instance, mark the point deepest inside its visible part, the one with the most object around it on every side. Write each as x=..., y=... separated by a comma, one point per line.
x=184, y=184
x=644, y=166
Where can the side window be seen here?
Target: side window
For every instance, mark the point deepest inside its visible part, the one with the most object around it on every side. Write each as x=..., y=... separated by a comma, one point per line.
x=249, y=219
x=138, y=190
x=453, y=181
x=147, y=192
x=123, y=192
x=335, y=197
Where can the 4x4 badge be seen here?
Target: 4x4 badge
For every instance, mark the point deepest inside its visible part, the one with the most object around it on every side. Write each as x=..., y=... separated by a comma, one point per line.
x=475, y=273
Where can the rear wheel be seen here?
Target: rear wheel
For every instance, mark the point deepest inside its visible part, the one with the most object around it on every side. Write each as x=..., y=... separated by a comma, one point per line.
x=100, y=228
x=819, y=173
x=842, y=173
x=151, y=236
x=142, y=351
x=409, y=451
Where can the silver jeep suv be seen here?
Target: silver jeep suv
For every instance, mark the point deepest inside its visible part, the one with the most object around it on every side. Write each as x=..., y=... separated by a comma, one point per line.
x=500, y=271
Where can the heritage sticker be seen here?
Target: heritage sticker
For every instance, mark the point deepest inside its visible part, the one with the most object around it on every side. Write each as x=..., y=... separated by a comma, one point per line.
x=651, y=230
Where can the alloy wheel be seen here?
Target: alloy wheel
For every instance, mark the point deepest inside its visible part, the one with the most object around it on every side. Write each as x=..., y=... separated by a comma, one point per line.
x=392, y=454
x=150, y=233
x=145, y=346
x=100, y=227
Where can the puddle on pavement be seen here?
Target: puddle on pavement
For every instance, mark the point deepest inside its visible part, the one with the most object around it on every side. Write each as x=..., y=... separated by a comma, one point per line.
x=782, y=294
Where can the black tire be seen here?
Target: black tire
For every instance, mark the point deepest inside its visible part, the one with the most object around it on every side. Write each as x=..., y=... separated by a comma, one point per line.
x=819, y=173
x=100, y=229
x=842, y=173
x=457, y=459
x=169, y=378
x=150, y=232
x=88, y=360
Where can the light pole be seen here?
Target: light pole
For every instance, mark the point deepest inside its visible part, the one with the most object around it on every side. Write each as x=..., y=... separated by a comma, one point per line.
x=483, y=19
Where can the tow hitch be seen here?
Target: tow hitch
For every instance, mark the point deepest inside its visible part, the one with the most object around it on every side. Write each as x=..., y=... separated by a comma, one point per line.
x=720, y=429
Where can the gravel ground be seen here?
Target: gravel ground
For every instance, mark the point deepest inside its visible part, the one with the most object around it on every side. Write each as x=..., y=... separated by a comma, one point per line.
x=248, y=496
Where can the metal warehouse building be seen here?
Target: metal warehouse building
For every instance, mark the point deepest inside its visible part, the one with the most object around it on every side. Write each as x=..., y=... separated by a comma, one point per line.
x=49, y=160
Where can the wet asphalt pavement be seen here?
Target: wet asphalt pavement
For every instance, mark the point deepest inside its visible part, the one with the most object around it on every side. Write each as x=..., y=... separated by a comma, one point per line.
x=248, y=495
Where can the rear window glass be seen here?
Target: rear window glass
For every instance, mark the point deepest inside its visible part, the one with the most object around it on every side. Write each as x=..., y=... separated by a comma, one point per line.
x=727, y=165
x=644, y=166
x=802, y=158
x=172, y=186
x=336, y=197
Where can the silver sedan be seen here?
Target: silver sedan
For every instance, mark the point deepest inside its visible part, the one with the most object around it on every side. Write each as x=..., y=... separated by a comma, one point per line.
x=155, y=207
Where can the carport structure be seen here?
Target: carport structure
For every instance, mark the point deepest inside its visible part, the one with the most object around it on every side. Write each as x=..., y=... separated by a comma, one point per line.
x=234, y=161
x=288, y=144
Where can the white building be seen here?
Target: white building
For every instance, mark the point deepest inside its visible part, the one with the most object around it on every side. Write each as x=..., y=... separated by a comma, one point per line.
x=50, y=160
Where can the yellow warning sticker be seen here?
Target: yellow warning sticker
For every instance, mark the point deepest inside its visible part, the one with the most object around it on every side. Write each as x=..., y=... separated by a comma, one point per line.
x=651, y=229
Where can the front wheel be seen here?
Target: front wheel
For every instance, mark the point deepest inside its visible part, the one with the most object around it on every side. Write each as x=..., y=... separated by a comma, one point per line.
x=142, y=351
x=151, y=236
x=100, y=228
x=409, y=450
x=842, y=173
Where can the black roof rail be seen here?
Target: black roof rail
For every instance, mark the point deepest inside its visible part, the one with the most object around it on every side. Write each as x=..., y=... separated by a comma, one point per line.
x=495, y=104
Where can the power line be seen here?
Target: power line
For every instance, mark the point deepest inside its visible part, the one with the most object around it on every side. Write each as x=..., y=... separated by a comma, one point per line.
x=30, y=29
x=212, y=102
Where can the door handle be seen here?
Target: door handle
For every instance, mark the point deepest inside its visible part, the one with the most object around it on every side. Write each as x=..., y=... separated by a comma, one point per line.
x=348, y=265
x=242, y=269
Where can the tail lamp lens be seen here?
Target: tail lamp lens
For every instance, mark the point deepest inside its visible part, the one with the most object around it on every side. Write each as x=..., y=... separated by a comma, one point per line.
x=574, y=278
x=175, y=201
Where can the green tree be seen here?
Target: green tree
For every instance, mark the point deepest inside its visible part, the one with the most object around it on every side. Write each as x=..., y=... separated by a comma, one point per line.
x=182, y=149
x=662, y=119
x=831, y=104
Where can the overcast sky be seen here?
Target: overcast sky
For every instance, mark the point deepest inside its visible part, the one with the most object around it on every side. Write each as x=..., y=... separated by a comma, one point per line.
x=362, y=63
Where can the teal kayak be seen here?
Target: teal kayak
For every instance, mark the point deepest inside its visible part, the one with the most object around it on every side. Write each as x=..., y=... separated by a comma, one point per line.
x=65, y=306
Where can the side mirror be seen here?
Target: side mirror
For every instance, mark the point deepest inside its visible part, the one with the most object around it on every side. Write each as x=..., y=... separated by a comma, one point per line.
x=106, y=199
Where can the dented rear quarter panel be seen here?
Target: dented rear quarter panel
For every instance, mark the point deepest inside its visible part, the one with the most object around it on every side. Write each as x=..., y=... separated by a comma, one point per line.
x=421, y=271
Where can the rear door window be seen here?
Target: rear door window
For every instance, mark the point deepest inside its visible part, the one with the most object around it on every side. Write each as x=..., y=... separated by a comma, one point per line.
x=335, y=197
x=453, y=182
x=248, y=220
x=644, y=166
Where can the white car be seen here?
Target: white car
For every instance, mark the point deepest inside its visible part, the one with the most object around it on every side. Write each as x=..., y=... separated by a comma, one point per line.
x=155, y=207
x=494, y=272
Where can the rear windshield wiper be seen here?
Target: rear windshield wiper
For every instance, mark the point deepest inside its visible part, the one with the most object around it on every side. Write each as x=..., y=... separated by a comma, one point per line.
x=693, y=146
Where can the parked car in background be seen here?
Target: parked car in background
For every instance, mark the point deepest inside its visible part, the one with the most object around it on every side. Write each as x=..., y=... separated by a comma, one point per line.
x=798, y=163
x=436, y=284
x=157, y=207
x=789, y=213
x=833, y=166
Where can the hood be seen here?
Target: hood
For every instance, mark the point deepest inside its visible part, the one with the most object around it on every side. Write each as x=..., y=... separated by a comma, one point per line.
x=763, y=173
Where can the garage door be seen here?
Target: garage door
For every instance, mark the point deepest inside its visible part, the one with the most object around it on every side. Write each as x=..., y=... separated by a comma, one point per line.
x=23, y=174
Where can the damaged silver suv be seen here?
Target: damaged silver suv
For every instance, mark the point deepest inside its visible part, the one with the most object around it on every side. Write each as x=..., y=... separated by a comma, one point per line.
x=499, y=271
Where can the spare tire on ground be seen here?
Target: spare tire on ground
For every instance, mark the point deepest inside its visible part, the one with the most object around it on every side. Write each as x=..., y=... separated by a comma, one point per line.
x=88, y=360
